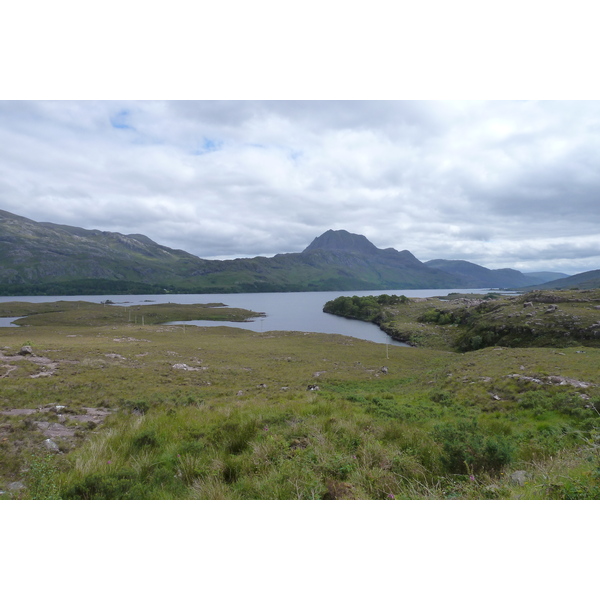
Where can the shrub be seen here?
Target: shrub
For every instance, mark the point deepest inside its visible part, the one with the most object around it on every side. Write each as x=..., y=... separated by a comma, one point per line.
x=145, y=439
x=41, y=479
x=466, y=449
x=440, y=397
x=476, y=342
x=118, y=485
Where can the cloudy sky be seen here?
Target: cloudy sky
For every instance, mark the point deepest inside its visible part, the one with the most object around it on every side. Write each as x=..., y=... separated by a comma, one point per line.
x=502, y=184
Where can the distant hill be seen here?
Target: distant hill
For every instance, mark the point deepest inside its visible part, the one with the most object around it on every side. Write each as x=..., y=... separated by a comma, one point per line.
x=45, y=258
x=478, y=276
x=36, y=254
x=583, y=281
x=546, y=276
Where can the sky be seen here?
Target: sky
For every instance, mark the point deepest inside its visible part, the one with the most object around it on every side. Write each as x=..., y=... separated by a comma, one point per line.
x=499, y=183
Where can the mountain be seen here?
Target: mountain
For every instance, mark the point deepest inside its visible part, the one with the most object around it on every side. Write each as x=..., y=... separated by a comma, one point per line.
x=45, y=258
x=49, y=258
x=582, y=281
x=546, y=276
x=38, y=253
x=478, y=276
x=354, y=260
x=342, y=241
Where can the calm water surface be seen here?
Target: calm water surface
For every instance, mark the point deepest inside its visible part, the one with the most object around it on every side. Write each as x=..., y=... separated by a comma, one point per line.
x=291, y=311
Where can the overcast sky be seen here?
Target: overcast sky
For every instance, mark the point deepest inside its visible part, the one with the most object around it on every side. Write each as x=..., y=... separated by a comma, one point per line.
x=501, y=184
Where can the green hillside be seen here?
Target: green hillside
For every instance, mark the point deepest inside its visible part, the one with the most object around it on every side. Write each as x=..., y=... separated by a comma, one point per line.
x=49, y=259
x=583, y=281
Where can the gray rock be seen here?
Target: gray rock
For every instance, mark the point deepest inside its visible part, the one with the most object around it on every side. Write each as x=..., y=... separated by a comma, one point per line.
x=26, y=350
x=518, y=477
x=51, y=445
x=15, y=486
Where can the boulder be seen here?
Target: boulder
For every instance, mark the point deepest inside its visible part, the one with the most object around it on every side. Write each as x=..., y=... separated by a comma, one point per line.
x=518, y=477
x=26, y=351
x=51, y=445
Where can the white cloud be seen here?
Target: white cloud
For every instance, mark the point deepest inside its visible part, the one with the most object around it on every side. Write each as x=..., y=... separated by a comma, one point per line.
x=498, y=183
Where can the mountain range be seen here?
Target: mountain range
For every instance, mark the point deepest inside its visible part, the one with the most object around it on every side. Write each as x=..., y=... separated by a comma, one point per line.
x=45, y=258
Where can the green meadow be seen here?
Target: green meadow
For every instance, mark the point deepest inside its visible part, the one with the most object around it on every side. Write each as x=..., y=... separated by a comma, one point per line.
x=138, y=409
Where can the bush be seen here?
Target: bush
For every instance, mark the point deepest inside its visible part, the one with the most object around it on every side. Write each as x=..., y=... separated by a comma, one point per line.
x=465, y=449
x=41, y=479
x=476, y=342
x=111, y=486
x=441, y=397
x=145, y=439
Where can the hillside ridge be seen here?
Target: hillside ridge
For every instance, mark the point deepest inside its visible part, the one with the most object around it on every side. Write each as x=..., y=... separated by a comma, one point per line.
x=47, y=258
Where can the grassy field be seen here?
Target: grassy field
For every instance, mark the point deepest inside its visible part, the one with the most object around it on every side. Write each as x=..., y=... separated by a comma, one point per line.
x=143, y=410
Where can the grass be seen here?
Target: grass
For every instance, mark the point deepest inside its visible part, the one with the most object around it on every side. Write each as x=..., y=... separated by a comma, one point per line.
x=89, y=314
x=239, y=421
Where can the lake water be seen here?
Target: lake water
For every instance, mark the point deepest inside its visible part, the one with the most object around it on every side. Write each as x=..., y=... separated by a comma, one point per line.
x=7, y=321
x=291, y=311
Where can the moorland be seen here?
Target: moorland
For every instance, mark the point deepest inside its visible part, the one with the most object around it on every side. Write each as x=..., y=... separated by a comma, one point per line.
x=497, y=399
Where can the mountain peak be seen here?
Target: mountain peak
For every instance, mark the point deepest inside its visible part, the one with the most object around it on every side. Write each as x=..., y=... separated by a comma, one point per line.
x=342, y=240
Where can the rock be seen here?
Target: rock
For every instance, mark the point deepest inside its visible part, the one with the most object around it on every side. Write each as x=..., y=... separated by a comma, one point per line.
x=50, y=445
x=26, y=350
x=184, y=367
x=313, y=388
x=16, y=486
x=518, y=477
x=493, y=487
x=525, y=378
x=384, y=370
x=557, y=380
x=240, y=393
